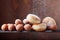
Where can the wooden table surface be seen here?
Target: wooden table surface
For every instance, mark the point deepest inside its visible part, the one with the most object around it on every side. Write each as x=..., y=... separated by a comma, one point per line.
x=14, y=35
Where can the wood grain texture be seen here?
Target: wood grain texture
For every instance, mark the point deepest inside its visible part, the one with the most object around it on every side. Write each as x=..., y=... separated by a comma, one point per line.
x=29, y=36
x=13, y=9
x=53, y=10
x=44, y=8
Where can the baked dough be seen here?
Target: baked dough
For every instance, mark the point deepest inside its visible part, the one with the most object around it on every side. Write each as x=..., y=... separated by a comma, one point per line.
x=33, y=19
x=39, y=27
x=49, y=21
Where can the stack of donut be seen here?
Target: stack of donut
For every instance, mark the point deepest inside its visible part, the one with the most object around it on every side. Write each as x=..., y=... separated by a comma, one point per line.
x=31, y=22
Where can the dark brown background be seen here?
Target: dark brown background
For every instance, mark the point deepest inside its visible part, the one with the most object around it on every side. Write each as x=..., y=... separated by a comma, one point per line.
x=13, y=9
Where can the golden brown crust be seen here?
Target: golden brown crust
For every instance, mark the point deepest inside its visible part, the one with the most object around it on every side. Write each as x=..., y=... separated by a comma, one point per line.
x=27, y=27
x=19, y=27
x=4, y=27
x=33, y=18
x=49, y=21
x=11, y=27
x=25, y=21
x=18, y=21
x=39, y=27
